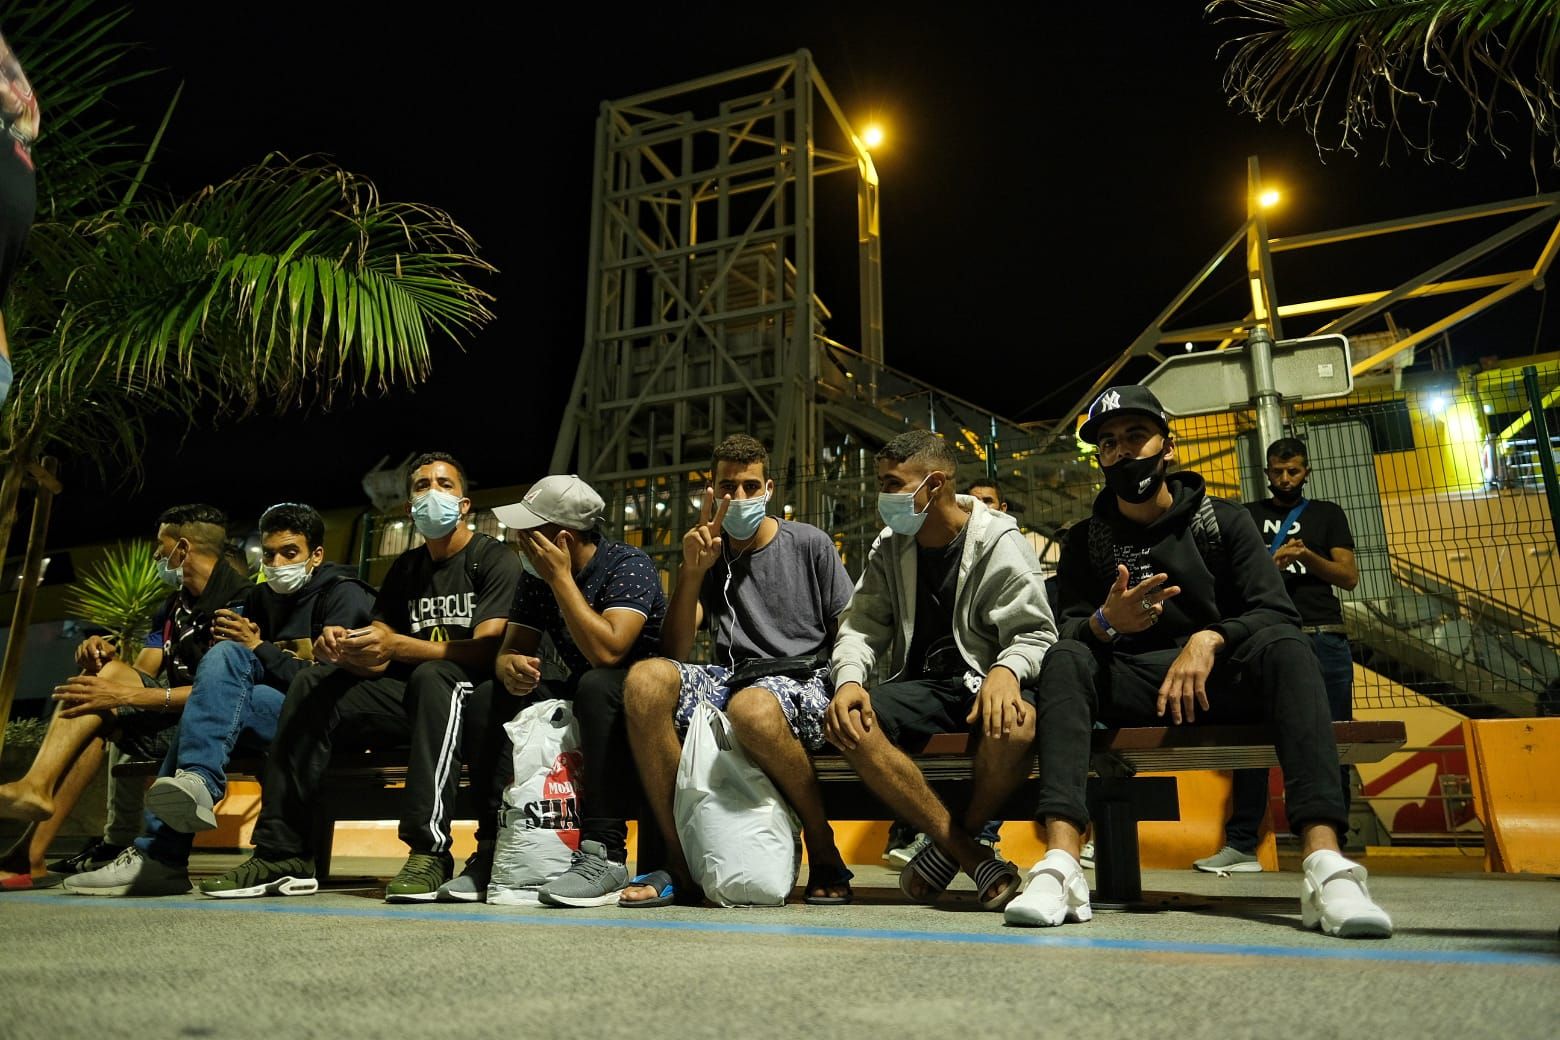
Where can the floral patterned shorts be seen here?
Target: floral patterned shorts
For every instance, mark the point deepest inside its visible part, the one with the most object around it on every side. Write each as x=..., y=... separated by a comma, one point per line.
x=802, y=701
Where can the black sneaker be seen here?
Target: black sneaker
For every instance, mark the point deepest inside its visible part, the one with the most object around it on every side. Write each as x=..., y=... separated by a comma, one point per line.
x=96, y=855
x=293, y=876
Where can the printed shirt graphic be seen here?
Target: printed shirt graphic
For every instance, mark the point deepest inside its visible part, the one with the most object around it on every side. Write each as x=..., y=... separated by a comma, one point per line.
x=447, y=599
x=1322, y=527
x=18, y=104
x=618, y=577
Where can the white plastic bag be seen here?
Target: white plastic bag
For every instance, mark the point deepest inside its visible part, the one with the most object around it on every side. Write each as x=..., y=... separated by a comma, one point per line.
x=736, y=831
x=539, y=823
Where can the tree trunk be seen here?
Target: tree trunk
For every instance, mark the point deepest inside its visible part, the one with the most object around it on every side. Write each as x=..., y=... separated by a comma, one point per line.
x=27, y=589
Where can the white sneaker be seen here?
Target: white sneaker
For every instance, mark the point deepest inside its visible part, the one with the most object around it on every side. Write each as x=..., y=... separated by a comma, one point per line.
x=1337, y=901
x=899, y=858
x=182, y=802
x=133, y=873
x=1056, y=893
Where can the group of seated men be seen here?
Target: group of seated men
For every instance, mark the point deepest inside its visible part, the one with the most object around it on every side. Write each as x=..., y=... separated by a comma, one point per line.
x=948, y=629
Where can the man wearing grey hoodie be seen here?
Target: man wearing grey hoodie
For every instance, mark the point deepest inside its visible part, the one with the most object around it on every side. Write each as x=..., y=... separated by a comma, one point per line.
x=945, y=632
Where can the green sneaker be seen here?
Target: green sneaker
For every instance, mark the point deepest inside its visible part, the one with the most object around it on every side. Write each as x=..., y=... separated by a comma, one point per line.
x=264, y=877
x=420, y=878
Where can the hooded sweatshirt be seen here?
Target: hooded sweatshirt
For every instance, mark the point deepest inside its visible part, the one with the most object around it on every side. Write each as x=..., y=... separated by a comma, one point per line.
x=1000, y=613
x=290, y=624
x=1249, y=597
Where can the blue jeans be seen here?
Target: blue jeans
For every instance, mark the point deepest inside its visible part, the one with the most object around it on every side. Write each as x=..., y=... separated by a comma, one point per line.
x=1251, y=785
x=227, y=707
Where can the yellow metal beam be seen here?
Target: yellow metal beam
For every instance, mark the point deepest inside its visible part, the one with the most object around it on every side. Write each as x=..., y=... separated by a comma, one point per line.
x=1387, y=227
x=1431, y=331
x=1342, y=303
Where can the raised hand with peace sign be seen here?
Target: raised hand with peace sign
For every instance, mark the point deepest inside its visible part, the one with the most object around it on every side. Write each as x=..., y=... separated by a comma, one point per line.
x=701, y=545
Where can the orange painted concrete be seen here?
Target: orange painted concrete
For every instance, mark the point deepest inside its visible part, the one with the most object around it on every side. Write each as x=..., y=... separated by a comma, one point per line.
x=1515, y=768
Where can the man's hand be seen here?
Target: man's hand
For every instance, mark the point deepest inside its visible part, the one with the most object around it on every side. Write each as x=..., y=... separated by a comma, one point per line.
x=519, y=673
x=93, y=653
x=331, y=644
x=551, y=562
x=1186, y=684
x=850, y=716
x=1139, y=608
x=701, y=545
x=86, y=694
x=225, y=624
x=368, y=647
x=999, y=703
x=1289, y=552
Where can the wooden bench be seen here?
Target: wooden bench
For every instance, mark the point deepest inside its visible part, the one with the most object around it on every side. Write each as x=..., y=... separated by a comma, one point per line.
x=367, y=786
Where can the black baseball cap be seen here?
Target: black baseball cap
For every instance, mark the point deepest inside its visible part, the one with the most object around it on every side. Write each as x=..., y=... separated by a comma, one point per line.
x=1117, y=401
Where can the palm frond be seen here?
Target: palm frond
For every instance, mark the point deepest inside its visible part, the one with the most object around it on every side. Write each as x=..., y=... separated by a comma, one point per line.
x=1416, y=69
x=120, y=593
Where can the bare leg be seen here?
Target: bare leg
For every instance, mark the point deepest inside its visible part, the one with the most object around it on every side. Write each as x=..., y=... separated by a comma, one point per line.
x=890, y=775
x=1001, y=764
x=1316, y=837
x=32, y=796
x=649, y=703
x=1063, y=834
x=760, y=727
x=31, y=850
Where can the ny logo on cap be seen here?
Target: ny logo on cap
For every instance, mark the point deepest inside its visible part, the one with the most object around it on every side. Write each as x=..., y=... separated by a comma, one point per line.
x=1110, y=400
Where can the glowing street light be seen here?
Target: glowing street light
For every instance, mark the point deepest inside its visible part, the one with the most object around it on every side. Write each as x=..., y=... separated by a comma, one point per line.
x=872, y=136
x=1269, y=198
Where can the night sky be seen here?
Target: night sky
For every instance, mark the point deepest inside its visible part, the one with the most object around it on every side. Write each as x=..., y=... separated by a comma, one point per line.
x=1047, y=187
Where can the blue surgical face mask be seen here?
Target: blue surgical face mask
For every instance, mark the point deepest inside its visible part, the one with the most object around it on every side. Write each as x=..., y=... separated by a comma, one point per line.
x=171, y=576
x=435, y=513
x=744, y=515
x=898, y=510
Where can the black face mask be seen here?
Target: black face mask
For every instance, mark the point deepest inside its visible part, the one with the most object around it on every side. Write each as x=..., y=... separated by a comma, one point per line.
x=1136, y=480
x=1287, y=498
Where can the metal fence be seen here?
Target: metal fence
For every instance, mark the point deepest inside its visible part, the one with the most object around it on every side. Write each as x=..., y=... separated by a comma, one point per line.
x=1444, y=489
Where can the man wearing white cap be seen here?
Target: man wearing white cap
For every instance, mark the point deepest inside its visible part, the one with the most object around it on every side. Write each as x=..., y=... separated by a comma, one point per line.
x=602, y=604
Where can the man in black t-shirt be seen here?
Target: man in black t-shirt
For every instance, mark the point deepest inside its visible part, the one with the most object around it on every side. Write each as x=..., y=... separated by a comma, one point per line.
x=126, y=705
x=1315, y=552
x=407, y=677
x=602, y=605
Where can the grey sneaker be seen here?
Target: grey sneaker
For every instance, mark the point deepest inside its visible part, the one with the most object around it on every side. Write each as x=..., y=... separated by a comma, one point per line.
x=420, y=878
x=591, y=880
x=183, y=802
x=472, y=884
x=133, y=873
x=899, y=858
x=1228, y=860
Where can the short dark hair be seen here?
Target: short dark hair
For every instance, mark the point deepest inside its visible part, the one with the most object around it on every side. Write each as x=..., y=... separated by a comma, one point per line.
x=428, y=458
x=921, y=446
x=1288, y=448
x=204, y=527
x=739, y=447
x=295, y=517
x=985, y=482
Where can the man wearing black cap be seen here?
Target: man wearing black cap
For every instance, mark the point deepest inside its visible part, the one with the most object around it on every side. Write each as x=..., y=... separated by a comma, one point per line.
x=1171, y=612
x=602, y=604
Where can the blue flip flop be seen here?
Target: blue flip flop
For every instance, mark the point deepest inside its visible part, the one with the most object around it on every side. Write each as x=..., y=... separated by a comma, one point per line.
x=665, y=887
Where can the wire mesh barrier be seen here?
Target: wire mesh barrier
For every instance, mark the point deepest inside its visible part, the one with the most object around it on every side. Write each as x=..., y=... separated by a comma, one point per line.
x=1444, y=490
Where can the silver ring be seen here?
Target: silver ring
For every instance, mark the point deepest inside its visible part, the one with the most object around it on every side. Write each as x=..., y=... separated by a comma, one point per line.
x=1147, y=604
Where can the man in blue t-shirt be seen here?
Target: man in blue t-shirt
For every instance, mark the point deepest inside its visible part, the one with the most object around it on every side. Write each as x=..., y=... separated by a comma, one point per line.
x=601, y=604
x=771, y=591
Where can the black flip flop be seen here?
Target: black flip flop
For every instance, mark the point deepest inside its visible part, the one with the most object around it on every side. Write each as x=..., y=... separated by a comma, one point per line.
x=824, y=878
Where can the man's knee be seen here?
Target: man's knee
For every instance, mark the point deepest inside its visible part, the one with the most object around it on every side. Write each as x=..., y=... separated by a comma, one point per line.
x=650, y=690
x=755, y=712
x=226, y=656
x=119, y=672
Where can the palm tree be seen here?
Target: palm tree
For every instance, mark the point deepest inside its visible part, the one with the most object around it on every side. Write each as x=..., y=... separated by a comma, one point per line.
x=291, y=283
x=1441, y=75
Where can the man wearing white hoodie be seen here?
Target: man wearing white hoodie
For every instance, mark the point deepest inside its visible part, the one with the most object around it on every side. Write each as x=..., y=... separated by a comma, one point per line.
x=945, y=632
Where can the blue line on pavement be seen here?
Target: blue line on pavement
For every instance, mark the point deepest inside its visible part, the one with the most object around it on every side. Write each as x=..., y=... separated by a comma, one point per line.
x=304, y=906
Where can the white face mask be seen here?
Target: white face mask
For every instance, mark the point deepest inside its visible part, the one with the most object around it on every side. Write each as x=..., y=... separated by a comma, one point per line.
x=288, y=578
